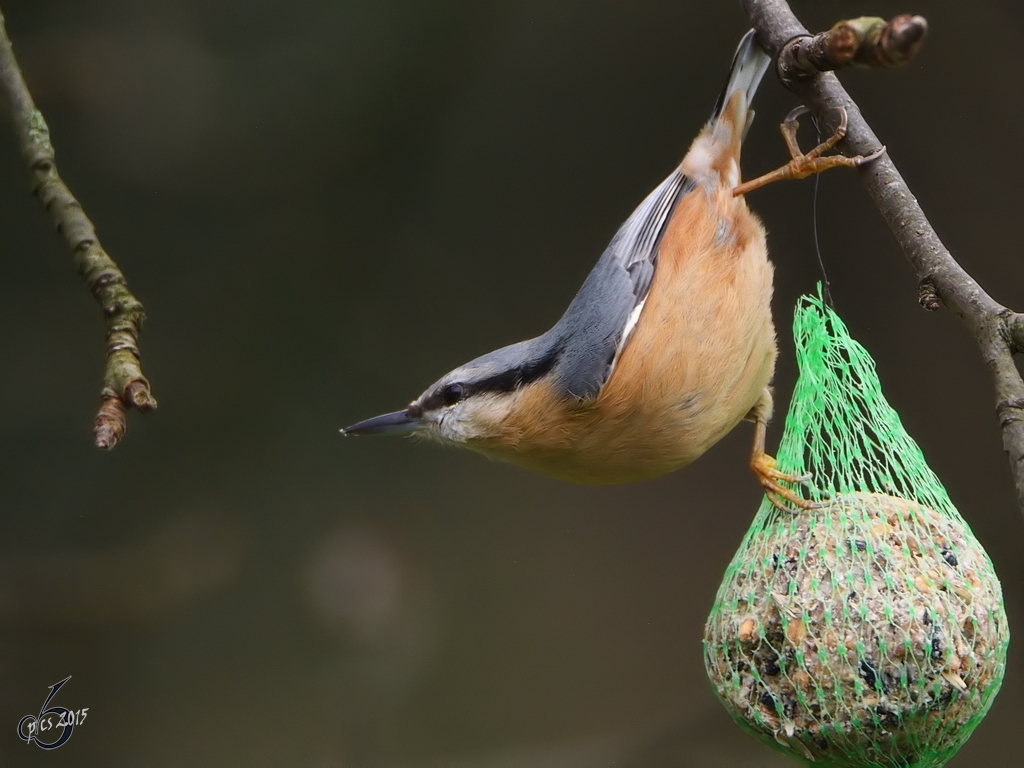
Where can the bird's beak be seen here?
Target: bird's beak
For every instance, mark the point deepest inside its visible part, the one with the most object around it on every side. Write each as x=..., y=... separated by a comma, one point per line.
x=397, y=423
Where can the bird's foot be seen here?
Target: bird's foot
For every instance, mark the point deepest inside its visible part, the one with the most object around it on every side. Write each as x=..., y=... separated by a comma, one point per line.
x=803, y=165
x=771, y=480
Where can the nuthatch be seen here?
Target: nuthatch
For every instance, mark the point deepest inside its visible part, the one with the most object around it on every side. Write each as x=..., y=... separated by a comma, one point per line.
x=668, y=345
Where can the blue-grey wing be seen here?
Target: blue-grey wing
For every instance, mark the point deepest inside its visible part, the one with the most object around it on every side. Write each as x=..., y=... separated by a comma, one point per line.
x=597, y=323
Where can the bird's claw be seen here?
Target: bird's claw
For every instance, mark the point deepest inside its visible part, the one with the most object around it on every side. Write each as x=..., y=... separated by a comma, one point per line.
x=771, y=480
x=865, y=159
x=804, y=164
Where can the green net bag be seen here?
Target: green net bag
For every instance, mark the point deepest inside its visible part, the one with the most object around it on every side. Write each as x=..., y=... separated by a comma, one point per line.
x=869, y=631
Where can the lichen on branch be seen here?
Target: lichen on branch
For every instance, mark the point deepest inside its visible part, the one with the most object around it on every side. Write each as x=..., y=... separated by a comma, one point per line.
x=866, y=41
x=124, y=385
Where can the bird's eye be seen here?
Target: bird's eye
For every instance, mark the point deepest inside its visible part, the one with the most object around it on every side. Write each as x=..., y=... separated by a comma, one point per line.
x=452, y=393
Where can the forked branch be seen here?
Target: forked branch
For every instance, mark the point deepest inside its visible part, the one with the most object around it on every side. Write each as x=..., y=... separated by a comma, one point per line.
x=998, y=330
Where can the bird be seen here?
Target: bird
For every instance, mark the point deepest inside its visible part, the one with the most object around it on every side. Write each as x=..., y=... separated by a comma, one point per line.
x=666, y=347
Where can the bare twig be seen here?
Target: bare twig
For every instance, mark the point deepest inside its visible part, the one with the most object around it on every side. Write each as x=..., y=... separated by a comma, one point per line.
x=869, y=41
x=124, y=385
x=998, y=330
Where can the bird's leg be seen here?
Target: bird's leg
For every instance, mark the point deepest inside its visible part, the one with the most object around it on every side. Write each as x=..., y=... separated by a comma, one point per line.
x=803, y=165
x=763, y=465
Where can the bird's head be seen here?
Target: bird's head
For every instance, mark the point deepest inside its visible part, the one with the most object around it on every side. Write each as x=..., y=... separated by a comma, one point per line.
x=471, y=403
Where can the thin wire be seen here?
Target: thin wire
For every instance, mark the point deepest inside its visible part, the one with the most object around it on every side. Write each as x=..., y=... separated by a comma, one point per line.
x=827, y=294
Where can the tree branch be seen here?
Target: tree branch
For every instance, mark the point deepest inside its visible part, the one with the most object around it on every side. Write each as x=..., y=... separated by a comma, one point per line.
x=124, y=385
x=869, y=41
x=998, y=330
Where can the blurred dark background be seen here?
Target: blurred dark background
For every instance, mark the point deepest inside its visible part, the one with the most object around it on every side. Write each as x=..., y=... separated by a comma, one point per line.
x=325, y=204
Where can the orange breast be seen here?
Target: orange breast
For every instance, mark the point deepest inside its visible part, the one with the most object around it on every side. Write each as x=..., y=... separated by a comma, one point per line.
x=702, y=352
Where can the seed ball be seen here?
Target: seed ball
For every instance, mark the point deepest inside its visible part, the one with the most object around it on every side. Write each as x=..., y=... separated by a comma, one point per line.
x=868, y=632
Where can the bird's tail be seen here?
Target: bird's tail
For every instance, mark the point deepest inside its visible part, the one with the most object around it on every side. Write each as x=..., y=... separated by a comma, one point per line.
x=748, y=67
x=731, y=119
x=715, y=155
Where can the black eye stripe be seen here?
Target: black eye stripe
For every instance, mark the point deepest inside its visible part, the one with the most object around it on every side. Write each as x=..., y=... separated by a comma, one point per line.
x=506, y=381
x=513, y=379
